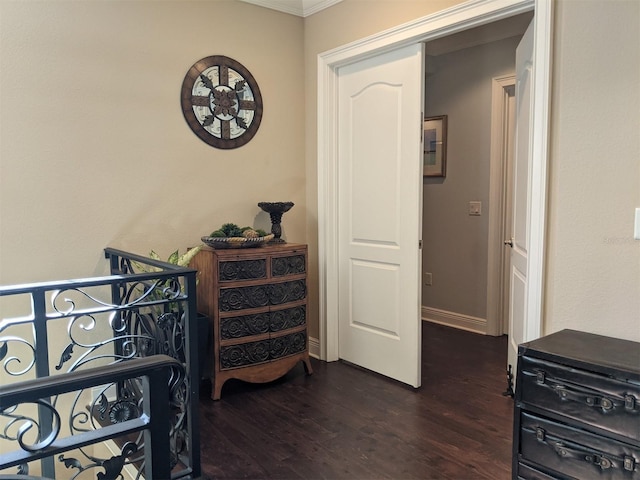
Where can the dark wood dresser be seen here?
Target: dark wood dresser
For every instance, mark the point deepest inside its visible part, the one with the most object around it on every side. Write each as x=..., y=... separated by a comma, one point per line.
x=577, y=408
x=257, y=299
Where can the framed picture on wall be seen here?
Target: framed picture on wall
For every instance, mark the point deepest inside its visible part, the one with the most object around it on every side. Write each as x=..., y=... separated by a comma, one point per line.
x=435, y=146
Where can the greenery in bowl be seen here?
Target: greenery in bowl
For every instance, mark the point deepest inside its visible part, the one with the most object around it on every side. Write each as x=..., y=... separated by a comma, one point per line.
x=228, y=230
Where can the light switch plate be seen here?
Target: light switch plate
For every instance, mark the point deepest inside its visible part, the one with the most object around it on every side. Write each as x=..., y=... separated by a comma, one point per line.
x=475, y=208
x=636, y=225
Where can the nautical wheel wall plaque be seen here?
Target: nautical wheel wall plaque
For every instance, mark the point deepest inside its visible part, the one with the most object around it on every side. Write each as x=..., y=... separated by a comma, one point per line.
x=221, y=102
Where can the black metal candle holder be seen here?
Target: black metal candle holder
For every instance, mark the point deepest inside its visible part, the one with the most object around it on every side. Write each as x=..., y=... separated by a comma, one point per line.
x=275, y=211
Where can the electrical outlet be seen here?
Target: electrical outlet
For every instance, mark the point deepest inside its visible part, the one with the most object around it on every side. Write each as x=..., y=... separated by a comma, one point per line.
x=428, y=279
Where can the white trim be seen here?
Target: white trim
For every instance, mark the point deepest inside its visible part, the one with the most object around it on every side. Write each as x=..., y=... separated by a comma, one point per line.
x=497, y=205
x=314, y=347
x=458, y=18
x=542, y=54
x=311, y=7
x=456, y=320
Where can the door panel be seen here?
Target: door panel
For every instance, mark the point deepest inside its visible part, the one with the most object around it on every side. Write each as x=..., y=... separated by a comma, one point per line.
x=380, y=212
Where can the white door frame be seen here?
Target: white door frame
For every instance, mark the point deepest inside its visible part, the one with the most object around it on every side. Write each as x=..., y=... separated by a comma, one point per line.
x=461, y=17
x=498, y=203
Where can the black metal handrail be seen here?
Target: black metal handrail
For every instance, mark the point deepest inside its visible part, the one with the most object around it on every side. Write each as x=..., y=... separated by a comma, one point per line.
x=144, y=308
x=153, y=419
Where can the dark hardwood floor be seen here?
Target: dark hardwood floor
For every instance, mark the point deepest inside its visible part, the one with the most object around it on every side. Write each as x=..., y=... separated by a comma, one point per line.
x=344, y=422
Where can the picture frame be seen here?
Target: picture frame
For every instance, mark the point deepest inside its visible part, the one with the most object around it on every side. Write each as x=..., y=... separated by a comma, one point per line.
x=435, y=146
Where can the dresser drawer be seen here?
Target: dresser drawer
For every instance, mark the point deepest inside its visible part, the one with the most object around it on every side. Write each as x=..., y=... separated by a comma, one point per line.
x=526, y=472
x=240, y=298
x=240, y=326
x=290, y=344
x=285, y=292
x=576, y=453
x=289, y=265
x=256, y=296
x=244, y=354
x=244, y=325
x=287, y=318
x=249, y=269
x=610, y=404
x=262, y=351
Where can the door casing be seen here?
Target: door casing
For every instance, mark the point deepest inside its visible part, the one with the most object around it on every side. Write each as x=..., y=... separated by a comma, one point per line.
x=439, y=24
x=503, y=94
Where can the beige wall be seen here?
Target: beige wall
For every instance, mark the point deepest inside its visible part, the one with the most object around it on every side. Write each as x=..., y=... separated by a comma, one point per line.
x=593, y=264
x=95, y=151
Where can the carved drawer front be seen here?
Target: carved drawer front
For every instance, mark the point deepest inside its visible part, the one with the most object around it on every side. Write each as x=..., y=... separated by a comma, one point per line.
x=239, y=298
x=607, y=403
x=288, y=318
x=234, y=356
x=244, y=325
x=291, y=265
x=288, y=344
x=242, y=270
x=252, y=353
x=255, y=296
x=285, y=292
x=576, y=453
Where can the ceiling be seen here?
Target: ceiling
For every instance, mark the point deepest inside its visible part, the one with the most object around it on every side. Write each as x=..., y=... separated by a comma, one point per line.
x=302, y=8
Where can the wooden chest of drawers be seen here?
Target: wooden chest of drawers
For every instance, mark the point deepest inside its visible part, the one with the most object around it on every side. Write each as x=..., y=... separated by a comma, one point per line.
x=257, y=299
x=577, y=408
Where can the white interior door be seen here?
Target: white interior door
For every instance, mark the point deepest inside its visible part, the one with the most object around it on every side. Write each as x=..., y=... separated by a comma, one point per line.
x=518, y=328
x=380, y=212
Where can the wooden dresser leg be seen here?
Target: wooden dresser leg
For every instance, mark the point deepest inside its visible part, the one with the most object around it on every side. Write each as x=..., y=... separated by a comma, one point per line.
x=307, y=365
x=216, y=389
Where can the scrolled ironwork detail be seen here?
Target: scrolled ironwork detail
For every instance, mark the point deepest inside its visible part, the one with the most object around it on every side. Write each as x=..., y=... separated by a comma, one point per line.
x=9, y=360
x=24, y=424
x=143, y=313
x=122, y=411
x=113, y=466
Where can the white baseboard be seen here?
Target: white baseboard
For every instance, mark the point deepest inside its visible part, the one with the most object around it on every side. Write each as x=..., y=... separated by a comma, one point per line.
x=456, y=320
x=314, y=347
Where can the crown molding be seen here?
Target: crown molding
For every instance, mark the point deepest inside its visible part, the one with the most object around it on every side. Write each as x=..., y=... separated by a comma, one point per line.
x=301, y=8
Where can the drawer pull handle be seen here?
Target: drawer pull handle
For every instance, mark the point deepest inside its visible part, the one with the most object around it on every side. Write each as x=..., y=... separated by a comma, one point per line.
x=605, y=401
x=567, y=449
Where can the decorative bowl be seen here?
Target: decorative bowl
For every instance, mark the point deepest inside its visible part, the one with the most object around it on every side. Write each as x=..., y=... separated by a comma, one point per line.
x=276, y=207
x=236, y=242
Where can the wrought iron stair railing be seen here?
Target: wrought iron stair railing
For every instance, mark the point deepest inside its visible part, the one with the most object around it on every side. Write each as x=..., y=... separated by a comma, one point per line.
x=159, y=374
x=144, y=308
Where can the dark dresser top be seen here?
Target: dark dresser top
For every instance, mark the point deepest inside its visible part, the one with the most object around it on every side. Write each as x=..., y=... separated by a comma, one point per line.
x=583, y=350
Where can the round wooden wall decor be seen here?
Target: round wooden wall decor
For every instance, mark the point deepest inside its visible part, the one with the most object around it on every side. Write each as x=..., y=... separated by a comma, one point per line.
x=221, y=102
